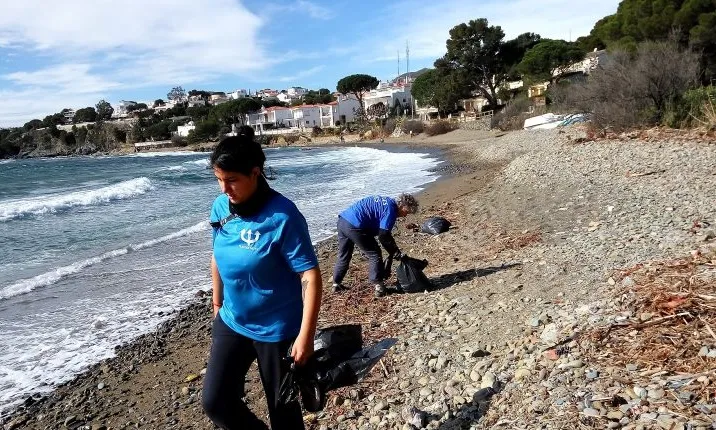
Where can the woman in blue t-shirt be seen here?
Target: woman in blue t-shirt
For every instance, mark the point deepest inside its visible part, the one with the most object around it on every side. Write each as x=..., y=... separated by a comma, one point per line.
x=266, y=288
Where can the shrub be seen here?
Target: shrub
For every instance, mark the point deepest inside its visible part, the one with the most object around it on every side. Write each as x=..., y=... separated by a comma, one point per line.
x=640, y=89
x=180, y=141
x=316, y=131
x=512, y=116
x=439, y=127
x=267, y=139
x=291, y=138
x=692, y=109
x=389, y=126
x=415, y=126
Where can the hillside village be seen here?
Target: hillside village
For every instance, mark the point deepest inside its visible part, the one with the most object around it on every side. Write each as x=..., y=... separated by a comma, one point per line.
x=619, y=77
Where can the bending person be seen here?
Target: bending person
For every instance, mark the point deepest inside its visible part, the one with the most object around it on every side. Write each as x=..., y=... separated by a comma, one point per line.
x=359, y=225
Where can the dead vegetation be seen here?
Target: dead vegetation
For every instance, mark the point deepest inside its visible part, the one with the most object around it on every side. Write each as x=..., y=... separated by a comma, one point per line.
x=672, y=314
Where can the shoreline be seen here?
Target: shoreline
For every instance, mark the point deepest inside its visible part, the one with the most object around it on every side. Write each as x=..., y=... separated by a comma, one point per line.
x=195, y=311
x=546, y=236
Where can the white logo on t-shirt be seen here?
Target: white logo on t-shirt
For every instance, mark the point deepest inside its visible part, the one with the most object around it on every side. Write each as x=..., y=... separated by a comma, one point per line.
x=250, y=237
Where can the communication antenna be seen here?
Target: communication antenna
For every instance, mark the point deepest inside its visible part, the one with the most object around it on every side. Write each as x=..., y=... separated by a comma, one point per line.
x=407, y=60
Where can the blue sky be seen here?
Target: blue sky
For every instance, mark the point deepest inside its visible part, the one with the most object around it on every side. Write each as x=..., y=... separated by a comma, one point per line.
x=72, y=53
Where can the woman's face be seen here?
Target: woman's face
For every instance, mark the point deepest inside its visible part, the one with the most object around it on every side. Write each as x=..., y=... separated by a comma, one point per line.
x=237, y=186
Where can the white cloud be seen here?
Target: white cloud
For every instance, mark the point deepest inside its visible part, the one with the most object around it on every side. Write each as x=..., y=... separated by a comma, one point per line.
x=314, y=10
x=74, y=78
x=306, y=7
x=20, y=106
x=136, y=43
x=302, y=74
x=426, y=25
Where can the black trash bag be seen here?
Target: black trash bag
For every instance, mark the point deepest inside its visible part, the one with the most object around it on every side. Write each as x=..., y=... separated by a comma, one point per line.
x=355, y=368
x=333, y=345
x=435, y=225
x=338, y=361
x=303, y=381
x=411, y=277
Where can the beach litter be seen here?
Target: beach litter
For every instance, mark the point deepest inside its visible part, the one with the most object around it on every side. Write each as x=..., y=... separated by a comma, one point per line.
x=549, y=121
x=435, y=225
x=411, y=278
x=339, y=360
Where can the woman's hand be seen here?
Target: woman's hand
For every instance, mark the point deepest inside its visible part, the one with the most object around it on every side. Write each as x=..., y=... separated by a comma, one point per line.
x=302, y=349
x=216, y=309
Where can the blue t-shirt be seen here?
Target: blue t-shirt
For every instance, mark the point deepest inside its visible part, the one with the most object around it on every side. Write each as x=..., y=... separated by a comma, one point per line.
x=259, y=260
x=372, y=213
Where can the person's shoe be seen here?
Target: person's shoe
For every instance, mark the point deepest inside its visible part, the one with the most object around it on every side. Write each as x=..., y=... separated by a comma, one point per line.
x=380, y=290
x=337, y=288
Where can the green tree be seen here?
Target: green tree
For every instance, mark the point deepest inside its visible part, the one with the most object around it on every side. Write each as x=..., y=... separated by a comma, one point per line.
x=32, y=124
x=201, y=93
x=357, y=85
x=441, y=89
x=136, y=133
x=514, y=50
x=235, y=110
x=271, y=101
x=639, y=20
x=158, y=131
x=104, y=110
x=549, y=60
x=80, y=134
x=88, y=114
x=378, y=110
x=198, y=113
x=137, y=106
x=158, y=102
x=205, y=130
x=322, y=96
x=474, y=49
x=54, y=119
x=177, y=95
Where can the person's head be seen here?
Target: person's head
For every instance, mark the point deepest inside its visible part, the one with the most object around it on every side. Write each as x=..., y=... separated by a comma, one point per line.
x=407, y=204
x=238, y=163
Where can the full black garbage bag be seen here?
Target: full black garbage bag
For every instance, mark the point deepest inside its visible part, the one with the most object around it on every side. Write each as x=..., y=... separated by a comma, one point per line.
x=411, y=277
x=333, y=345
x=355, y=368
x=435, y=225
x=338, y=360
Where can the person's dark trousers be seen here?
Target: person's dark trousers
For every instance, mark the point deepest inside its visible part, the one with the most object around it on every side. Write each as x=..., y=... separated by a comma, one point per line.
x=231, y=356
x=348, y=237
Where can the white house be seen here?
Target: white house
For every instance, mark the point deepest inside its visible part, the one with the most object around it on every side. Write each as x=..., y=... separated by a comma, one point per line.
x=196, y=101
x=389, y=95
x=165, y=106
x=284, y=97
x=591, y=61
x=69, y=115
x=238, y=94
x=348, y=105
x=272, y=117
x=296, y=92
x=183, y=130
x=265, y=93
x=121, y=110
x=305, y=117
x=309, y=116
x=218, y=98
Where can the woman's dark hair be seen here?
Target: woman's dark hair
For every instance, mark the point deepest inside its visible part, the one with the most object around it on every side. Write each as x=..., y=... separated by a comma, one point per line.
x=239, y=154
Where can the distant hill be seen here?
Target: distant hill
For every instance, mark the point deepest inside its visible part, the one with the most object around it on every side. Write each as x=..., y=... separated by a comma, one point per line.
x=412, y=75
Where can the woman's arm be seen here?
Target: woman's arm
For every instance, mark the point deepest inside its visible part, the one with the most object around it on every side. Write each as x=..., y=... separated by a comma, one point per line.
x=312, y=291
x=217, y=287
